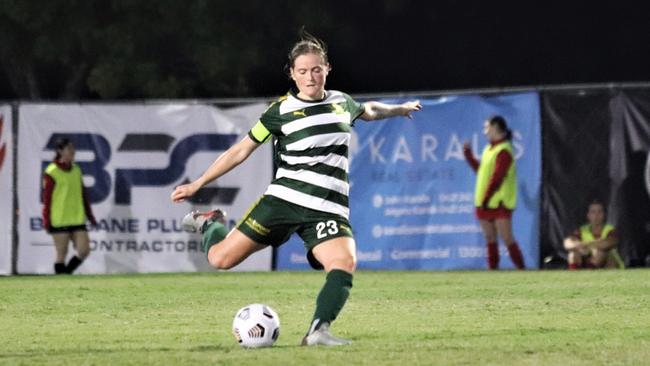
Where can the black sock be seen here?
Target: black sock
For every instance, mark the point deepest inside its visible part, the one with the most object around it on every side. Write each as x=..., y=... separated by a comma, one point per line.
x=73, y=264
x=332, y=297
x=59, y=268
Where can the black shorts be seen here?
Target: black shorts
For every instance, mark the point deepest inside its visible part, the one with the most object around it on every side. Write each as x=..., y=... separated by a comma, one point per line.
x=271, y=221
x=67, y=229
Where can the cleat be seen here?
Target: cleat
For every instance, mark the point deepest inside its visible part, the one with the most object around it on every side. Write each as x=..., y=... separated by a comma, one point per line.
x=323, y=337
x=195, y=221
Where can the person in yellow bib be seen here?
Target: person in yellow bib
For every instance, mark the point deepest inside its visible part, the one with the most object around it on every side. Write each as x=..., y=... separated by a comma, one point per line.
x=593, y=245
x=495, y=196
x=66, y=208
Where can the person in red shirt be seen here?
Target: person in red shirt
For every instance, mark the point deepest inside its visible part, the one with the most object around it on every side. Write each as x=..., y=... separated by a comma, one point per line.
x=496, y=192
x=66, y=207
x=593, y=245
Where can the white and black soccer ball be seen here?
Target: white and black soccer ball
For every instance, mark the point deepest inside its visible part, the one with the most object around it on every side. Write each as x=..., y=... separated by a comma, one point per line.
x=256, y=325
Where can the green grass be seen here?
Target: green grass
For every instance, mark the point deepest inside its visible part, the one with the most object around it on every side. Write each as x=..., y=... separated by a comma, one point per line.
x=407, y=318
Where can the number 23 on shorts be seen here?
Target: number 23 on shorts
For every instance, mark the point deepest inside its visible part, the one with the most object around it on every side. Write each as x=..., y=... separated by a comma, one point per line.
x=325, y=228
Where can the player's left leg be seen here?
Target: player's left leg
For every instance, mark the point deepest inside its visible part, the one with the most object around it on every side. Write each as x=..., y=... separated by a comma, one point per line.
x=504, y=227
x=338, y=257
x=598, y=258
x=81, y=243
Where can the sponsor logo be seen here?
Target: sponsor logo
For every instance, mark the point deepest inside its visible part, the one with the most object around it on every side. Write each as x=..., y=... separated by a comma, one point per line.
x=257, y=227
x=124, y=179
x=420, y=254
x=370, y=256
x=300, y=113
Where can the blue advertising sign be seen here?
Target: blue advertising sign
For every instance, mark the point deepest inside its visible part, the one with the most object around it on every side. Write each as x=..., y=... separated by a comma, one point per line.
x=412, y=192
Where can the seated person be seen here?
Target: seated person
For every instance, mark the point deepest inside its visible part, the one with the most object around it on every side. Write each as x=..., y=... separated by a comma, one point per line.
x=593, y=245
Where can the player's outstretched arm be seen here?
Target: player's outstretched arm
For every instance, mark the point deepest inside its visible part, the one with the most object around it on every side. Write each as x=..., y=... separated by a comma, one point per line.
x=232, y=157
x=376, y=110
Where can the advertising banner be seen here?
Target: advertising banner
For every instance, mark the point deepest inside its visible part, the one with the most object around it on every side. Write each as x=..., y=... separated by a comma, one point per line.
x=132, y=157
x=6, y=189
x=412, y=192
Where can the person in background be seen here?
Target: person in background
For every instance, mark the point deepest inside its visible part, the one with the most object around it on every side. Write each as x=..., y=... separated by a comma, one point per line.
x=495, y=196
x=593, y=245
x=66, y=208
x=309, y=195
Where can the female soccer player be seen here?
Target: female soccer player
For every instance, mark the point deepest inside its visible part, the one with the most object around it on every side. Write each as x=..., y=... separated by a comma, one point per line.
x=309, y=194
x=496, y=190
x=66, y=207
x=593, y=245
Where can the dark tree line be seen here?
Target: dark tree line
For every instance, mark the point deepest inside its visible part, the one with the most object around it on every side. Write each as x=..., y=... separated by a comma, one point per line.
x=137, y=49
x=115, y=49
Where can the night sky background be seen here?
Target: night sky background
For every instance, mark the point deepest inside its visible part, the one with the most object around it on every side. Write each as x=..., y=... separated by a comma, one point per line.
x=390, y=46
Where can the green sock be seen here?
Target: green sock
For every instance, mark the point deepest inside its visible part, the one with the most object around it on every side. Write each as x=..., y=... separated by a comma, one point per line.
x=214, y=233
x=332, y=297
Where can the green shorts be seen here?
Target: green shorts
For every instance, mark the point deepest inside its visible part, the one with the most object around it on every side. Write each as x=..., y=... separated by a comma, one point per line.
x=271, y=221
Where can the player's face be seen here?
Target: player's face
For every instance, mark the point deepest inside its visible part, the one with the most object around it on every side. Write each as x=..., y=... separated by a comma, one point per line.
x=492, y=132
x=309, y=72
x=596, y=214
x=67, y=153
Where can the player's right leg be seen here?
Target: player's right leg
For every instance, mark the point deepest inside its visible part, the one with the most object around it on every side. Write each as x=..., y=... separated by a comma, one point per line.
x=574, y=259
x=504, y=229
x=61, y=240
x=197, y=221
x=225, y=250
x=232, y=250
x=490, y=234
x=81, y=243
x=598, y=258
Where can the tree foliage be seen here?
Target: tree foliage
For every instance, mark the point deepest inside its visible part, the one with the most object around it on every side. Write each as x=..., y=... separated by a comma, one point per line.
x=126, y=49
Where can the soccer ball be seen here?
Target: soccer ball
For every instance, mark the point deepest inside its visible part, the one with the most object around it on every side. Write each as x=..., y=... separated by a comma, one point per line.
x=256, y=325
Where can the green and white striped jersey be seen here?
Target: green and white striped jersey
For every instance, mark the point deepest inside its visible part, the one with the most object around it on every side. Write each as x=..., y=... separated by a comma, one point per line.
x=312, y=139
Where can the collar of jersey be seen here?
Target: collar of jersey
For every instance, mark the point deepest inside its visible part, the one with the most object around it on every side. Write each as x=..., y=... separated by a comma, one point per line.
x=294, y=93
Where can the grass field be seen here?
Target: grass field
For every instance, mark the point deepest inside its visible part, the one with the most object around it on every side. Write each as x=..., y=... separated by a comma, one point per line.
x=407, y=318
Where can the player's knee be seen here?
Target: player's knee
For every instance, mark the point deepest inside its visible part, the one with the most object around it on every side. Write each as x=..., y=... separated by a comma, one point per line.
x=598, y=260
x=220, y=261
x=347, y=263
x=489, y=238
x=83, y=253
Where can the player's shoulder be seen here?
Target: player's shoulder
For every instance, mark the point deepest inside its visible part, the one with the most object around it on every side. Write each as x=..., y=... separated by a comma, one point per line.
x=273, y=110
x=337, y=94
x=51, y=167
